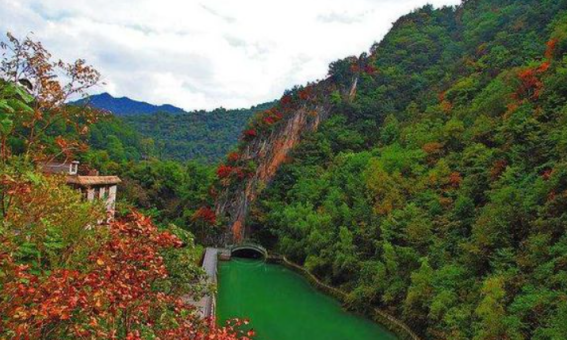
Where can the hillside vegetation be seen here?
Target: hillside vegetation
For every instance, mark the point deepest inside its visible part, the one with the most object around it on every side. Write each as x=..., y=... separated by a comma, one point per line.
x=439, y=194
x=164, y=131
x=199, y=135
x=435, y=189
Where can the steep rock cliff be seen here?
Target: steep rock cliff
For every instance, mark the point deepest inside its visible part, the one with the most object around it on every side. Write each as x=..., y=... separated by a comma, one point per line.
x=273, y=134
x=303, y=111
x=268, y=153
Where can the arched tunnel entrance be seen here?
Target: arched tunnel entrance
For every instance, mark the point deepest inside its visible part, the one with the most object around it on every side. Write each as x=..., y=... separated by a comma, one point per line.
x=251, y=251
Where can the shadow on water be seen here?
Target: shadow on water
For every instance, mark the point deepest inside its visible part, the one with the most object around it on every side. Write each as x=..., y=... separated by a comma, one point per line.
x=248, y=254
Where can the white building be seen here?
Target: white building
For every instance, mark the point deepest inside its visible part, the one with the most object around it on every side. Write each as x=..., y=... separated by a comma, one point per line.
x=97, y=188
x=92, y=186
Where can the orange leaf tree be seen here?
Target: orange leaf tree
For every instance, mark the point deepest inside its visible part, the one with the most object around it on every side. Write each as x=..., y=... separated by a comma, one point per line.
x=118, y=292
x=38, y=89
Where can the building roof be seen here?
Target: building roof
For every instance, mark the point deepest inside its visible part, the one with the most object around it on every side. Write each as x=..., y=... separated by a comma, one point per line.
x=55, y=167
x=93, y=180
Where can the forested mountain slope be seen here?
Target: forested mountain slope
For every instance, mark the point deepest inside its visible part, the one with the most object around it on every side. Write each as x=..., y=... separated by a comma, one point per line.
x=439, y=193
x=165, y=131
x=199, y=135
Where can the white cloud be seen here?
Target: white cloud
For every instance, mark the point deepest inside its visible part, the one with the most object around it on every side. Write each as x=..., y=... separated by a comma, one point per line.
x=206, y=53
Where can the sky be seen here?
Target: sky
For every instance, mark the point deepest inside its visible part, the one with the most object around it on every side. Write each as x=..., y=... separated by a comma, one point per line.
x=203, y=54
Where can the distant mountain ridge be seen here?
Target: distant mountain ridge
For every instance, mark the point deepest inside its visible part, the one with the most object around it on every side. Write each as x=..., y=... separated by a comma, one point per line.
x=172, y=132
x=125, y=106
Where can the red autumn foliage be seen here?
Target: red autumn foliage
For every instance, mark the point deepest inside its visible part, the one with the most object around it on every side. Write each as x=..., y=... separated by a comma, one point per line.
x=250, y=134
x=544, y=67
x=455, y=179
x=224, y=171
x=205, y=214
x=551, y=45
x=432, y=148
x=370, y=69
x=113, y=297
x=530, y=84
x=269, y=120
x=233, y=157
x=286, y=100
x=446, y=106
x=305, y=93
x=271, y=116
x=511, y=108
x=240, y=174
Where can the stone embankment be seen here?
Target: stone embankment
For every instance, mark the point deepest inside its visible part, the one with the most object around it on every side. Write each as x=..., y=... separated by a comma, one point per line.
x=207, y=304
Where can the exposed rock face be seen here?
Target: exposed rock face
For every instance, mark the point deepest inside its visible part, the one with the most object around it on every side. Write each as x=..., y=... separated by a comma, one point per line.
x=268, y=153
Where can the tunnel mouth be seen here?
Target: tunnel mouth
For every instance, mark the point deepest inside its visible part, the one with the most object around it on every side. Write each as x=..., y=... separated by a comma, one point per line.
x=248, y=253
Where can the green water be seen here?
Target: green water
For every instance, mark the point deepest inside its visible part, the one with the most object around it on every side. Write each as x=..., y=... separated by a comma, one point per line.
x=282, y=305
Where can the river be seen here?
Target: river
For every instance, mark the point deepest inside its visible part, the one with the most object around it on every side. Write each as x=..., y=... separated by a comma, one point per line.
x=282, y=305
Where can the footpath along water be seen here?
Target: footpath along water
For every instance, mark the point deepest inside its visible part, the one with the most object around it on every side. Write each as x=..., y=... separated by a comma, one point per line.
x=282, y=305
